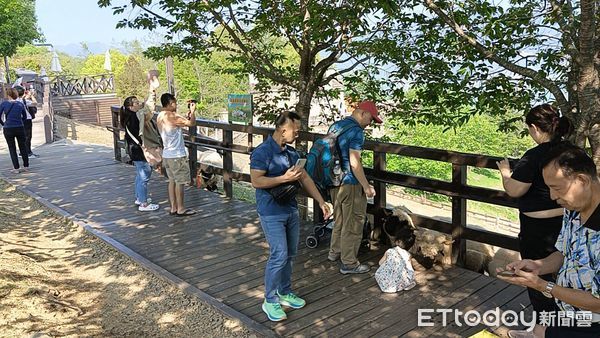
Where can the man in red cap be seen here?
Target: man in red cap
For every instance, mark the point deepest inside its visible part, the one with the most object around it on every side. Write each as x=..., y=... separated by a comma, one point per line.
x=350, y=198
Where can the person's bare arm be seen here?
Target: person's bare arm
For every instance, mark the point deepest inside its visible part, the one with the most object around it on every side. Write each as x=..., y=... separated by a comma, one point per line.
x=181, y=121
x=512, y=187
x=359, y=172
x=32, y=98
x=149, y=107
x=578, y=298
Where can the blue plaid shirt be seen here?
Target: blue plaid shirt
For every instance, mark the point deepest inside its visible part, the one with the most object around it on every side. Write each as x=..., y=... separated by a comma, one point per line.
x=580, y=244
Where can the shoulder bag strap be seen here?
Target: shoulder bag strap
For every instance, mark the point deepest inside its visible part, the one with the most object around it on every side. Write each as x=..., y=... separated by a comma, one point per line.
x=133, y=137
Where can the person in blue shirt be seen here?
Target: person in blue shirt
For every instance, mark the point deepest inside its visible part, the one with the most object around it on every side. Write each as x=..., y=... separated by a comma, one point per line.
x=12, y=115
x=272, y=164
x=350, y=198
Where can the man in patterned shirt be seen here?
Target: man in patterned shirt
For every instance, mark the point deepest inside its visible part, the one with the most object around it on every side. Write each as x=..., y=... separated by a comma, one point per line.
x=573, y=181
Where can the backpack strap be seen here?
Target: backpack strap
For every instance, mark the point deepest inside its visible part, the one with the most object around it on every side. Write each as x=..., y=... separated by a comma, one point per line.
x=344, y=129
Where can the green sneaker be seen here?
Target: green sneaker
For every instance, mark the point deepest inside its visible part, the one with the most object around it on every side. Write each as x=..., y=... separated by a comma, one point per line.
x=274, y=311
x=291, y=300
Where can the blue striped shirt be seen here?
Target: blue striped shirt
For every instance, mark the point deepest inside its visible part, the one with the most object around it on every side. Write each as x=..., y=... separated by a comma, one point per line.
x=580, y=245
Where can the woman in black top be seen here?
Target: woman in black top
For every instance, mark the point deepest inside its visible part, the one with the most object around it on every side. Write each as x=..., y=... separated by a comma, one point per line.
x=539, y=215
x=131, y=123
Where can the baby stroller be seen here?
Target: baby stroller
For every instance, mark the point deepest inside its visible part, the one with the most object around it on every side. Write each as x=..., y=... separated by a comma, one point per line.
x=322, y=231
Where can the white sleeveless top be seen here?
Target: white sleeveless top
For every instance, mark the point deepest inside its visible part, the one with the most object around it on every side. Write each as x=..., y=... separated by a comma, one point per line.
x=174, y=146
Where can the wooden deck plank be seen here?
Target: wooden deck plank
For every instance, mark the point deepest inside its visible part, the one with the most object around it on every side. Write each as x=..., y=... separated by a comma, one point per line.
x=222, y=251
x=520, y=304
x=409, y=323
x=381, y=310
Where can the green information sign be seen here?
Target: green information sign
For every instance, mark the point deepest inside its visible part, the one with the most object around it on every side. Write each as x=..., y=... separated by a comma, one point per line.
x=239, y=107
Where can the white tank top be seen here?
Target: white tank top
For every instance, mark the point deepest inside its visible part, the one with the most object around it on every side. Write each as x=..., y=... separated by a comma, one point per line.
x=174, y=146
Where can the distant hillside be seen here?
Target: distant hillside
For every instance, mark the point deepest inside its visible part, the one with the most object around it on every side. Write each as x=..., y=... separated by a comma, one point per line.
x=75, y=49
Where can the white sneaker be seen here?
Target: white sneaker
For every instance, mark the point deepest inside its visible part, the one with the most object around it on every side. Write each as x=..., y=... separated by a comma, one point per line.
x=149, y=200
x=148, y=207
x=521, y=334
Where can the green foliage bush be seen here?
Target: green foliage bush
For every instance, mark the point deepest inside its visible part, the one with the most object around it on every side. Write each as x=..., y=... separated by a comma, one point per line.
x=479, y=135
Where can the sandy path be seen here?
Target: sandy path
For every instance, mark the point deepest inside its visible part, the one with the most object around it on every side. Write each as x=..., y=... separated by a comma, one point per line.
x=57, y=280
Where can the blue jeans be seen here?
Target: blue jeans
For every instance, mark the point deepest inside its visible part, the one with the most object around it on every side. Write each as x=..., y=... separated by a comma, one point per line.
x=282, y=233
x=143, y=173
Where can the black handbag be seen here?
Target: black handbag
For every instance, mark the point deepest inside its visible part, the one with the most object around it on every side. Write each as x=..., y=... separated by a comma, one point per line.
x=285, y=192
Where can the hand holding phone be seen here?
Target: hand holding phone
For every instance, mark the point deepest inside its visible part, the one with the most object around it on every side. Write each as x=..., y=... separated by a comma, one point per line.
x=300, y=163
x=507, y=273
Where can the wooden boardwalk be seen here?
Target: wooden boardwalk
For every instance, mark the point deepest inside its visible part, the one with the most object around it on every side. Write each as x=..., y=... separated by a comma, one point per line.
x=221, y=251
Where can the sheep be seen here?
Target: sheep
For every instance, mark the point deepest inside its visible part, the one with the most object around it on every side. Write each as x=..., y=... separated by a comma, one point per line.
x=430, y=246
x=433, y=247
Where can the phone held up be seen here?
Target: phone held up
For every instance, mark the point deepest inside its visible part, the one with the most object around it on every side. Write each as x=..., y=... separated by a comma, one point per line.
x=300, y=163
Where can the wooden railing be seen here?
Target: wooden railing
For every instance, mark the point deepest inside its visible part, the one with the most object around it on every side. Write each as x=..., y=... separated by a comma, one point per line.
x=457, y=189
x=97, y=84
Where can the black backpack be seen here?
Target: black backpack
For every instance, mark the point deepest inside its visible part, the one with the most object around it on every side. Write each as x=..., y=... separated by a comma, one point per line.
x=324, y=163
x=31, y=109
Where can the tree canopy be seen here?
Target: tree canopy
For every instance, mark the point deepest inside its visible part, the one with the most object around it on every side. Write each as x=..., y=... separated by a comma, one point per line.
x=330, y=38
x=460, y=57
x=18, y=25
x=494, y=57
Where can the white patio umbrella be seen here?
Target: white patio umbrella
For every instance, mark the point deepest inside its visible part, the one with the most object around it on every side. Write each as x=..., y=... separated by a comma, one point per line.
x=107, y=63
x=55, y=64
x=43, y=74
x=18, y=82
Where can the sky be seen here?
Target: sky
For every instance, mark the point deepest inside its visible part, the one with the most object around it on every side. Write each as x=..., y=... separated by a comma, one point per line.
x=66, y=22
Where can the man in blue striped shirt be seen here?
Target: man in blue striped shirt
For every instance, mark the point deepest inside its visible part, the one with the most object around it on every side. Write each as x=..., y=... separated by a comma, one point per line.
x=573, y=181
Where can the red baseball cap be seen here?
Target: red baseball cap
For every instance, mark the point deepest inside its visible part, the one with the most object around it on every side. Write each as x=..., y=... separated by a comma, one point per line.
x=369, y=106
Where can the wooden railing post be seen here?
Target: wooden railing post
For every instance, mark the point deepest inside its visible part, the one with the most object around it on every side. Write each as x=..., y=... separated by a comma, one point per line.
x=193, y=157
x=115, y=125
x=459, y=216
x=228, y=163
x=380, y=199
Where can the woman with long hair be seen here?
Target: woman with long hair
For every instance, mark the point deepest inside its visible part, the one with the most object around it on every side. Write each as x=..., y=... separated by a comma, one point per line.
x=12, y=115
x=131, y=123
x=540, y=217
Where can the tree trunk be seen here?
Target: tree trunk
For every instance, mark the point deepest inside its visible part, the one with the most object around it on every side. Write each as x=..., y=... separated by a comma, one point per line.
x=305, y=96
x=588, y=83
x=303, y=106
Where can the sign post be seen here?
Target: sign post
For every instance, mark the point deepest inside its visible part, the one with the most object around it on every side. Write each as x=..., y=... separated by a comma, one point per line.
x=239, y=107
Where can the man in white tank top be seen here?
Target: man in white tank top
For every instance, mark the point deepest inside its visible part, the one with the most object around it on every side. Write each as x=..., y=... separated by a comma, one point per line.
x=174, y=154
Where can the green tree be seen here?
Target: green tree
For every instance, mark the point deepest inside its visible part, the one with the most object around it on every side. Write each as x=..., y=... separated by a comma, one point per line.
x=35, y=57
x=477, y=56
x=329, y=38
x=132, y=80
x=18, y=25
x=94, y=64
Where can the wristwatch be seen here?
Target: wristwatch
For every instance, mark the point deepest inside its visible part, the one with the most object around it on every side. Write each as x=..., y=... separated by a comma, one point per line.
x=548, y=291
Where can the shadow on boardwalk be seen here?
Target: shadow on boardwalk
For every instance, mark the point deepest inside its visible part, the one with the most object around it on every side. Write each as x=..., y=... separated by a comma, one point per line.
x=221, y=251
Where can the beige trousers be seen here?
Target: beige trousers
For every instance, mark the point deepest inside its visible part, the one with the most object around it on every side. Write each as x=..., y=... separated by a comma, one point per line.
x=349, y=212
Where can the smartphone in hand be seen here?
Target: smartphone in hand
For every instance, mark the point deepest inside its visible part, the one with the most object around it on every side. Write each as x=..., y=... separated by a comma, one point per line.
x=507, y=273
x=300, y=163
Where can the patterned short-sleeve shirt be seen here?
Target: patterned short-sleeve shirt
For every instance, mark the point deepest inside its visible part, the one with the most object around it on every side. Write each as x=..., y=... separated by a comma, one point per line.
x=580, y=245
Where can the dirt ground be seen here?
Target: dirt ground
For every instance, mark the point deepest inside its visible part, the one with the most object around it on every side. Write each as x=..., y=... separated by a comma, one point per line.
x=56, y=280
